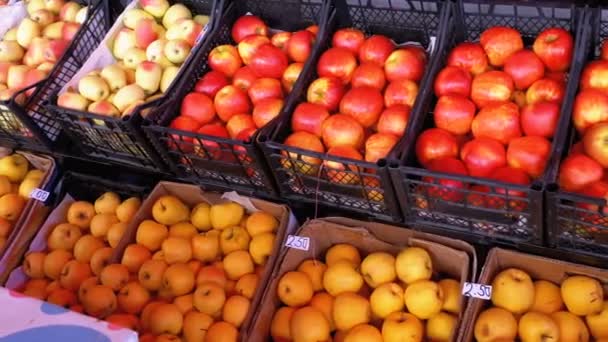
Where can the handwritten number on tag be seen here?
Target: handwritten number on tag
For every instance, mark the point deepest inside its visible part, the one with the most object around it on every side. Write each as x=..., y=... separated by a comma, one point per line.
x=298, y=242
x=474, y=290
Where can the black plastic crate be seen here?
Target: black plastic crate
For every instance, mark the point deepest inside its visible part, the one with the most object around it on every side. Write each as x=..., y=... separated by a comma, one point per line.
x=231, y=163
x=30, y=125
x=493, y=212
x=362, y=187
x=121, y=140
x=572, y=222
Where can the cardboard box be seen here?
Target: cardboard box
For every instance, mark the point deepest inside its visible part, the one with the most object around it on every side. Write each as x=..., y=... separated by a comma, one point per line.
x=192, y=195
x=30, y=319
x=539, y=268
x=450, y=257
x=34, y=212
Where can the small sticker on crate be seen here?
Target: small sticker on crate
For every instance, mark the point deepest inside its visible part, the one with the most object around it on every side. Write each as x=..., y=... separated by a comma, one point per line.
x=475, y=290
x=298, y=242
x=39, y=194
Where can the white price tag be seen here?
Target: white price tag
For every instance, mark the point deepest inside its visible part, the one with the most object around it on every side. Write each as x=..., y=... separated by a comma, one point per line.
x=39, y=194
x=298, y=242
x=475, y=290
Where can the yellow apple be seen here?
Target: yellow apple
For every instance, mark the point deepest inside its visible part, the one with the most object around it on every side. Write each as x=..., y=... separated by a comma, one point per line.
x=441, y=327
x=226, y=215
x=148, y=76
x=451, y=295
x=598, y=323
x=423, y=299
x=378, y=268
x=536, y=326
x=571, y=327
x=342, y=277
x=495, y=324
x=200, y=217
x=169, y=75
x=582, y=295
x=127, y=209
x=402, y=327
x=508, y=282
x=413, y=264
x=14, y=167
x=349, y=310
x=386, y=299
x=128, y=95
x=174, y=13
x=114, y=76
x=169, y=210
x=133, y=15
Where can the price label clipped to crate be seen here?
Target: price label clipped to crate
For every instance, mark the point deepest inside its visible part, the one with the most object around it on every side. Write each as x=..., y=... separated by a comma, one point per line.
x=298, y=242
x=39, y=194
x=475, y=290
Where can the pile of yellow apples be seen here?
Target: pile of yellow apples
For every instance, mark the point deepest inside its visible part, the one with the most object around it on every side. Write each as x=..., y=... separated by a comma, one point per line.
x=380, y=298
x=29, y=51
x=17, y=180
x=543, y=311
x=78, y=250
x=149, y=49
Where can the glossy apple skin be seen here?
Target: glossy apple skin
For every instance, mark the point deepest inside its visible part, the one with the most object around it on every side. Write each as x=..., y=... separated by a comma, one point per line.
x=349, y=38
x=363, y=104
x=265, y=88
x=211, y=83
x=453, y=80
x=491, y=86
x=183, y=123
x=454, y=113
x=511, y=175
x=249, y=46
x=299, y=46
x=470, y=57
x=266, y=110
x=337, y=62
x=402, y=92
x=248, y=25
x=239, y=123
x=210, y=149
x=269, y=61
x=590, y=107
x=225, y=59
x=342, y=130
x=369, y=74
x=340, y=172
x=554, y=46
x=598, y=189
x=326, y=91
x=595, y=143
x=280, y=40
x=378, y=146
x=525, y=68
x=604, y=51
x=393, y=120
x=230, y=101
x=199, y=107
x=595, y=75
x=376, y=49
x=529, y=154
x=540, y=119
x=499, y=43
x=309, y=117
x=578, y=171
x=290, y=76
x=244, y=78
x=435, y=143
x=545, y=89
x=482, y=156
x=404, y=63
x=447, y=189
x=499, y=121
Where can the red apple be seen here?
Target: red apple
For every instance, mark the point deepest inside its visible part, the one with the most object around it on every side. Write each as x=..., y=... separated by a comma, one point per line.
x=499, y=43
x=266, y=110
x=554, y=47
x=529, y=154
x=393, y=120
x=470, y=57
x=290, y=76
x=404, y=63
x=590, y=107
x=525, y=68
x=491, y=86
x=337, y=62
x=453, y=80
x=280, y=40
x=499, y=121
x=511, y=175
x=225, y=59
x=454, y=113
x=447, y=189
x=595, y=75
x=342, y=130
x=370, y=75
x=239, y=123
x=578, y=171
x=435, y=143
x=339, y=172
x=597, y=189
x=299, y=46
x=230, y=101
x=248, y=25
x=183, y=123
x=604, y=51
x=376, y=49
x=209, y=149
x=326, y=91
x=547, y=90
x=269, y=61
x=314, y=29
x=265, y=88
x=401, y=92
x=211, y=83
x=540, y=119
x=349, y=38
x=378, y=146
x=577, y=148
x=363, y=104
x=69, y=31
x=55, y=49
x=303, y=163
x=309, y=117
x=595, y=142
x=199, y=107
x=482, y=156
x=249, y=45
x=244, y=78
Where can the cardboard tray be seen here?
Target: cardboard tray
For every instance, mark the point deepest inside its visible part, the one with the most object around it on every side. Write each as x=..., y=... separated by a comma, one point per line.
x=192, y=195
x=35, y=211
x=539, y=268
x=450, y=257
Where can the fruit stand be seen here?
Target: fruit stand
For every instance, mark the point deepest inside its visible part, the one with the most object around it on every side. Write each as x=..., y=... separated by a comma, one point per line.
x=303, y=170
